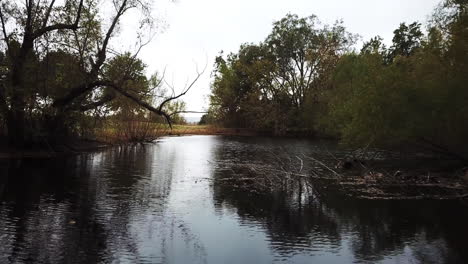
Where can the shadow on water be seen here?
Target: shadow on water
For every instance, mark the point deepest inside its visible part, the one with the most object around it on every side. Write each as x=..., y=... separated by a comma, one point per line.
x=168, y=203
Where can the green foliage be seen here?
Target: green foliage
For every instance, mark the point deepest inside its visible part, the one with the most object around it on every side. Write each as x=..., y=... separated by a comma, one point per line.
x=374, y=46
x=420, y=97
x=406, y=40
x=206, y=119
x=129, y=73
x=367, y=105
x=266, y=86
x=304, y=76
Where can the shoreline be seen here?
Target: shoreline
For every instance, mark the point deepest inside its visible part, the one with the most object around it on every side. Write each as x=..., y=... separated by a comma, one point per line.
x=409, y=185
x=66, y=149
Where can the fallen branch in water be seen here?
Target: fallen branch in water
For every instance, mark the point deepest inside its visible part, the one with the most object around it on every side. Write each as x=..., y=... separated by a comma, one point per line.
x=301, y=174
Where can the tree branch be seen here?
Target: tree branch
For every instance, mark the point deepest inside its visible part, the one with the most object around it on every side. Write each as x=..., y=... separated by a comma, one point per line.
x=5, y=35
x=77, y=91
x=105, y=99
x=47, y=15
x=188, y=112
x=44, y=29
x=101, y=56
x=142, y=103
x=93, y=75
x=199, y=74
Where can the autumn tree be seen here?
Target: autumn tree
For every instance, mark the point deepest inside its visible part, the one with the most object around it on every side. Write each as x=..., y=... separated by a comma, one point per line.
x=267, y=86
x=67, y=46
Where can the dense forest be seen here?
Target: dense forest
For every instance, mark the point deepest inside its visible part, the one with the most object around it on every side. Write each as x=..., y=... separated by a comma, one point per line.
x=61, y=78
x=307, y=76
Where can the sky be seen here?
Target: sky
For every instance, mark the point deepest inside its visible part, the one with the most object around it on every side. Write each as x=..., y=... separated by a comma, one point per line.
x=193, y=32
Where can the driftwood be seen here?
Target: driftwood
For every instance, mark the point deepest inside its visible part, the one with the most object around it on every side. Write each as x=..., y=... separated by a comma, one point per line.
x=284, y=174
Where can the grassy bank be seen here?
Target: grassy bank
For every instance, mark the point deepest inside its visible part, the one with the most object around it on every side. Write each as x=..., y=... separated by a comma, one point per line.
x=210, y=130
x=115, y=135
x=147, y=132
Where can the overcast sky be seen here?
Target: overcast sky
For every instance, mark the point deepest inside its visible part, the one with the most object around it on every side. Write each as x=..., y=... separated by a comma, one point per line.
x=196, y=30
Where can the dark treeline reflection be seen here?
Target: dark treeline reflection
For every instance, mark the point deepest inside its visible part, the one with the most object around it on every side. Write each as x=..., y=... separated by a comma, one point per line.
x=38, y=199
x=317, y=219
x=168, y=203
x=77, y=209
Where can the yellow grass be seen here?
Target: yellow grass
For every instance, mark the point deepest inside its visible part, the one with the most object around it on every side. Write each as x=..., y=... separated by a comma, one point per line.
x=151, y=131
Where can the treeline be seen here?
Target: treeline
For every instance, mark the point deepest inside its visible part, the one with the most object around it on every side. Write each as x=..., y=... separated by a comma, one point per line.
x=61, y=78
x=307, y=76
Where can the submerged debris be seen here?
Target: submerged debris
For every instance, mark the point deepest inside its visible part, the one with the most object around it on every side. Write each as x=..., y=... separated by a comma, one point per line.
x=365, y=179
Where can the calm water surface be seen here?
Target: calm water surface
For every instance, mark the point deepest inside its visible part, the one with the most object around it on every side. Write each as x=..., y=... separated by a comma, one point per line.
x=163, y=203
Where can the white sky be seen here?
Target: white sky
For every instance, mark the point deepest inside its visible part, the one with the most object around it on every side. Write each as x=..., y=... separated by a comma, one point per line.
x=198, y=29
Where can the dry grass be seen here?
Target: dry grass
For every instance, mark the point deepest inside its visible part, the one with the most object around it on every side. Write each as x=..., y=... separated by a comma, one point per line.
x=210, y=130
x=137, y=131
x=130, y=131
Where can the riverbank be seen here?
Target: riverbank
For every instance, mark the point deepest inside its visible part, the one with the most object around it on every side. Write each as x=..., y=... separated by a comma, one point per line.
x=73, y=147
x=407, y=178
x=186, y=130
x=106, y=139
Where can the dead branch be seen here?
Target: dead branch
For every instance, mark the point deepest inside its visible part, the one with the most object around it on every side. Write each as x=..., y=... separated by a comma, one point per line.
x=322, y=164
x=302, y=163
x=187, y=112
x=199, y=74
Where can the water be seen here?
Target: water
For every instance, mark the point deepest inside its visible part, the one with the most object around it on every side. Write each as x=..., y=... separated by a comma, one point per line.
x=164, y=203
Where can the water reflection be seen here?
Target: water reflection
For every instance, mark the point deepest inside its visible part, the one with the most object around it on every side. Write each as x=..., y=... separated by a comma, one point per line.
x=372, y=231
x=167, y=203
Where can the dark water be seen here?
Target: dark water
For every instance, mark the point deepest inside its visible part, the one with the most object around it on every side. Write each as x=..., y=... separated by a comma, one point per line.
x=163, y=203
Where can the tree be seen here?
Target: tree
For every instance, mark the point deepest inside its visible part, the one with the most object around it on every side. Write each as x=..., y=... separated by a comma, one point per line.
x=34, y=25
x=266, y=86
x=304, y=54
x=206, y=119
x=420, y=98
x=374, y=46
x=46, y=31
x=406, y=40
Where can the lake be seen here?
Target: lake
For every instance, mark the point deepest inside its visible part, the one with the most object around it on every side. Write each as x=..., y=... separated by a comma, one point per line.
x=165, y=203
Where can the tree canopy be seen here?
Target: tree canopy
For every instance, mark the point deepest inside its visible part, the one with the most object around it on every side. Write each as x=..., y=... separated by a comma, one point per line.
x=57, y=69
x=266, y=86
x=307, y=76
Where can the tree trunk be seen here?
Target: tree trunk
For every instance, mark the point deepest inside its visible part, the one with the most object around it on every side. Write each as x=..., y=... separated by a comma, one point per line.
x=16, y=117
x=16, y=123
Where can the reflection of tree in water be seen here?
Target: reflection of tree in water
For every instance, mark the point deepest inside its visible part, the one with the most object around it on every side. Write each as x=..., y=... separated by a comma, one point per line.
x=291, y=229
x=432, y=231
x=40, y=199
x=89, y=209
